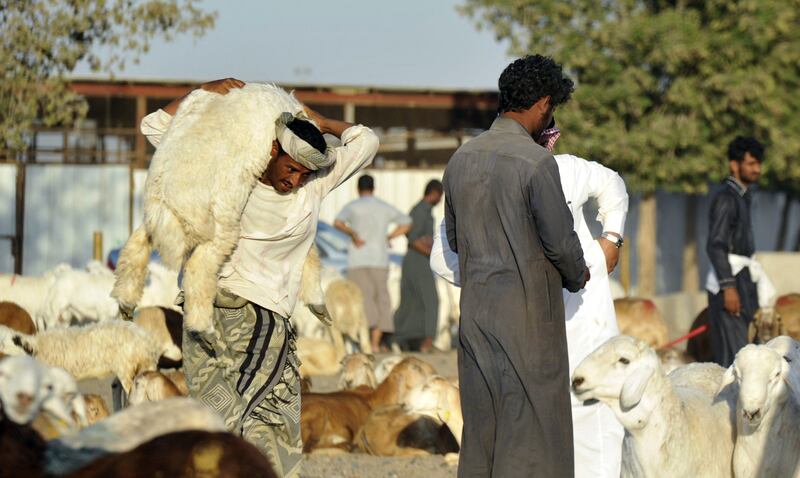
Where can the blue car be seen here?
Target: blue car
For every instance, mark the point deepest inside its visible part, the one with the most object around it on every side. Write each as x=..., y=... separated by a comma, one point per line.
x=331, y=242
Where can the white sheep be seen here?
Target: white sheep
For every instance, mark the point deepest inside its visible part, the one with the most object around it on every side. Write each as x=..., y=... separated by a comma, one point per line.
x=768, y=414
x=93, y=351
x=23, y=388
x=129, y=428
x=80, y=296
x=63, y=409
x=30, y=292
x=196, y=189
x=675, y=425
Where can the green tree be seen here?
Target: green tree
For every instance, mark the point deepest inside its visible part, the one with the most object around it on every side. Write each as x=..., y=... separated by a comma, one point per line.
x=664, y=85
x=44, y=40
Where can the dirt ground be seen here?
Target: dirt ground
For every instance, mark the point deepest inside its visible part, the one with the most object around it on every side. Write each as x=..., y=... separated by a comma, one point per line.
x=351, y=465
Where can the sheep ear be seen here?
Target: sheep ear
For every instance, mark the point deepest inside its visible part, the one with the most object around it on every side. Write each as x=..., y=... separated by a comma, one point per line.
x=728, y=378
x=634, y=386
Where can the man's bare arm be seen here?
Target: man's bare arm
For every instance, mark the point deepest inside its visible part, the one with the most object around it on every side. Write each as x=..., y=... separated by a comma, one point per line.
x=399, y=231
x=342, y=226
x=423, y=245
x=327, y=125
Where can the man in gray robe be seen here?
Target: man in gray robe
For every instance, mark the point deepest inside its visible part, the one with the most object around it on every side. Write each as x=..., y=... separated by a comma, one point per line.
x=507, y=219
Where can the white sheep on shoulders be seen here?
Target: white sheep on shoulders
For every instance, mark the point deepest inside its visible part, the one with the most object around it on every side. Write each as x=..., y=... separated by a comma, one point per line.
x=768, y=414
x=196, y=189
x=674, y=425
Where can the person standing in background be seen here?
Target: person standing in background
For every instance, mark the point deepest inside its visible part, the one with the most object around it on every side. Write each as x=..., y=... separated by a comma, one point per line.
x=418, y=314
x=732, y=293
x=366, y=220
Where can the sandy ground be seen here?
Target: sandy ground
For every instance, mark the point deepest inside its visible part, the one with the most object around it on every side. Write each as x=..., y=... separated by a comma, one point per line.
x=350, y=465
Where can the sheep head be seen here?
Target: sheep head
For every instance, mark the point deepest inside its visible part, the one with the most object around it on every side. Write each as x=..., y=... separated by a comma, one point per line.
x=22, y=381
x=763, y=375
x=431, y=399
x=63, y=400
x=616, y=373
x=358, y=369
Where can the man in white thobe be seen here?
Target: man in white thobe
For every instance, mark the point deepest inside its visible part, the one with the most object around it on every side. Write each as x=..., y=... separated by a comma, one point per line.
x=589, y=312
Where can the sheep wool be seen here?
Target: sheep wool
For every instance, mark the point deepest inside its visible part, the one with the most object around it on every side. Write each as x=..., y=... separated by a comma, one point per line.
x=201, y=175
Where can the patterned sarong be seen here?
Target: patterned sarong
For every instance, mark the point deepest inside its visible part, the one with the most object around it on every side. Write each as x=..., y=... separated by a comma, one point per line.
x=252, y=380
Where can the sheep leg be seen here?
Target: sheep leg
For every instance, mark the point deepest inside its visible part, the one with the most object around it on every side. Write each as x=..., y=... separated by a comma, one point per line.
x=200, y=287
x=132, y=271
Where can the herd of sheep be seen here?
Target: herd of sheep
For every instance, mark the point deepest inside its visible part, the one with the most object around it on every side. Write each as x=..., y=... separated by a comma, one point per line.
x=681, y=419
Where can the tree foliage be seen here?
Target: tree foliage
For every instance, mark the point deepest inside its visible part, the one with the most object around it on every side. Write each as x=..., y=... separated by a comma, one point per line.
x=664, y=85
x=44, y=40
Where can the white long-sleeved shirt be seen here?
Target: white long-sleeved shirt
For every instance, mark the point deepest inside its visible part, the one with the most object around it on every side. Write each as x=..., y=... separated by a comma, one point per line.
x=580, y=180
x=277, y=230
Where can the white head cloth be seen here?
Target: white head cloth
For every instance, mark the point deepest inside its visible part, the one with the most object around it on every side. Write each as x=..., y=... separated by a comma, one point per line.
x=298, y=149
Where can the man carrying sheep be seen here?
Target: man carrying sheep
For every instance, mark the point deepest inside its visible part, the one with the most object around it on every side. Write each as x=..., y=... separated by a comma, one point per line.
x=253, y=382
x=508, y=221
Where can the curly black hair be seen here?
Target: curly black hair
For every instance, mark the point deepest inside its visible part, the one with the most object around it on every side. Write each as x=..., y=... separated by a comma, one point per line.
x=309, y=133
x=530, y=78
x=745, y=144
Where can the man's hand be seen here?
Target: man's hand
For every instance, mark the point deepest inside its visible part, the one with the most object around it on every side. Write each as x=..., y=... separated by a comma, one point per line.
x=357, y=241
x=611, y=252
x=732, y=303
x=222, y=86
x=586, y=276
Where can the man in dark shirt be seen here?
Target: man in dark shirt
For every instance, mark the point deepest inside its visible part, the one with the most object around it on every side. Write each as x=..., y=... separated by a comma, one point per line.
x=731, y=233
x=416, y=318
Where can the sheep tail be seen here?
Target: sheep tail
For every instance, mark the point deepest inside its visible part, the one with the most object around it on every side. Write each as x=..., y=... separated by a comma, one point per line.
x=131, y=271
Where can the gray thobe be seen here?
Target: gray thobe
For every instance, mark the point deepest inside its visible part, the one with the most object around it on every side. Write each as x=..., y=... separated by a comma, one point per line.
x=507, y=218
x=417, y=314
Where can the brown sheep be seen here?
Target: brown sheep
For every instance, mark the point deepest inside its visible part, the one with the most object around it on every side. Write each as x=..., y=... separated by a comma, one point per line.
x=179, y=379
x=166, y=325
x=96, y=408
x=357, y=370
x=331, y=420
x=788, y=308
x=15, y=317
x=640, y=318
x=392, y=431
x=766, y=325
x=152, y=386
x=185, y=454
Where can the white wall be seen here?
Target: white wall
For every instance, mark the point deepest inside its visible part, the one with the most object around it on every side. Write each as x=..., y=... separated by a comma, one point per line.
x=64, y=205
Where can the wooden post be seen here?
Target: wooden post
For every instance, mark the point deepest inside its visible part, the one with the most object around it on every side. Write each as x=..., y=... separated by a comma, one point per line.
x=97, y=246
x=646, y=245
x=140, y=144
x=691, y=274
x=350, y=112
x=19, y=232
x=411, y=149
x=625, y=269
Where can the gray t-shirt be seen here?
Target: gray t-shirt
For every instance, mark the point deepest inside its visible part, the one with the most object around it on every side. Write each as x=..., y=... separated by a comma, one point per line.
x=370, y=218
